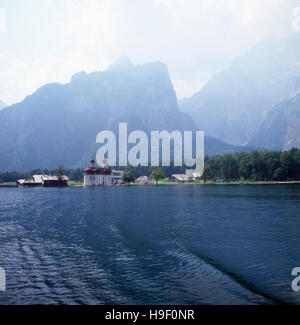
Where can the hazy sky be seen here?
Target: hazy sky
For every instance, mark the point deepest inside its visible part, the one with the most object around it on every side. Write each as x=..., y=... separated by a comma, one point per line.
x=49, y=40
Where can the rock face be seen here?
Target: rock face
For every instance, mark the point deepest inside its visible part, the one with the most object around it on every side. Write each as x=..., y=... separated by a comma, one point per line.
x=281, y=128
x=233, y=104
x=58, y=124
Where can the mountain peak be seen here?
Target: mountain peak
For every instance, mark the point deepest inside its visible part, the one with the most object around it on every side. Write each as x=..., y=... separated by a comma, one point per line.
x=123, y=63
x=78, y=76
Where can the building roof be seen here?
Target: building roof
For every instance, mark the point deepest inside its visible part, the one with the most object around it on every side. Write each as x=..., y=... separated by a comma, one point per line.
x=55, y=178
x=196, y=175
x=39, y=179
x=220, y=179
x=142, y=179
x=97, y=171
x=36, y=179
x=21, y=181
x=117, y=172
x=180, y=177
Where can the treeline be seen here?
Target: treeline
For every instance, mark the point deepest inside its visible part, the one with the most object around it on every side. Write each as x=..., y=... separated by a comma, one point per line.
x=146, y=171
x=77, y=174
x=255, y=165
x=73, y=174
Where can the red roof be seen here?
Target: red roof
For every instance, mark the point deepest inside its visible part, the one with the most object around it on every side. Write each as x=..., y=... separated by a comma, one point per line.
x=97, y=171
x=89, y=171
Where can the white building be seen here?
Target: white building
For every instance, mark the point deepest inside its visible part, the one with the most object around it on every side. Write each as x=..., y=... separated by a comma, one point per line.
x=143, y=180
x=195, y=177
x=97, y=176
x=117, y=176
x=179, y=178
x=44, y=180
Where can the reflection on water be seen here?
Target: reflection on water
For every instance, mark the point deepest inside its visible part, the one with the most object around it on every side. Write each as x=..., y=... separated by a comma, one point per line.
x=150, y=245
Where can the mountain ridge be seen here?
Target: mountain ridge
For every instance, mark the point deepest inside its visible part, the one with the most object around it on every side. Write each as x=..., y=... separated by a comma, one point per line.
x=234, y=102
x=280, y=130
x=58, y=124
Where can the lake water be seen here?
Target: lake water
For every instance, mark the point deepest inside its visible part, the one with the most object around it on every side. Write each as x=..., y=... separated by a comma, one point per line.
x=224, y=244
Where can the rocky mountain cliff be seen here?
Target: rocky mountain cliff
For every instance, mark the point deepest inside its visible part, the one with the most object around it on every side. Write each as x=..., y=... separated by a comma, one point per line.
x=281, y=128
x=58, y=124
x=233, y=104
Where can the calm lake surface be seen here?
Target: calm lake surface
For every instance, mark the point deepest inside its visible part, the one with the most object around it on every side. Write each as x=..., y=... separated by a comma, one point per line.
x=224, y=244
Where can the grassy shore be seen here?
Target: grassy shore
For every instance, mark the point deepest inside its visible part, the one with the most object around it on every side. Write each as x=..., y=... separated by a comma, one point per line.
x=201, y=182
x=75, y=183
x=9, y=184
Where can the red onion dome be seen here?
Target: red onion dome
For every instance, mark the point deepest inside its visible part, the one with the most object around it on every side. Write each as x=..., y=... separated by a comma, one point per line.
x=92, y=161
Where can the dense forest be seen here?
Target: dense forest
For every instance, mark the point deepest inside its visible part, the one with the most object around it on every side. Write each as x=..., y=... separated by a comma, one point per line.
x=255, y=165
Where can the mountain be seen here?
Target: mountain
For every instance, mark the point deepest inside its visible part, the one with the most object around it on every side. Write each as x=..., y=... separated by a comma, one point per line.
x=58, y=124
x=2, y=105
x=233, y=104
x=281, y=128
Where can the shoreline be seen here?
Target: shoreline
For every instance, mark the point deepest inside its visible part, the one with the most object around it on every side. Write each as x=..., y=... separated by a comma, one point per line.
x=9, y=185
x=217, y=184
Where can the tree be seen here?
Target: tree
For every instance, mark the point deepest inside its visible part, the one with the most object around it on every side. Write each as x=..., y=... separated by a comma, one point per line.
x=271, y=162
x=279, y=174
x=228, y=167
x=286, y=163
x=76, y=174
x=296, y=159
x=207, y=173
x=245, y=167
x=128, y=177
x=157, y=174
x=60, y=172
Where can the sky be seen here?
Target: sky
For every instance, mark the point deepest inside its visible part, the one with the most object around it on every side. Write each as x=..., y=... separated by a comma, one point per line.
x=44, y=41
